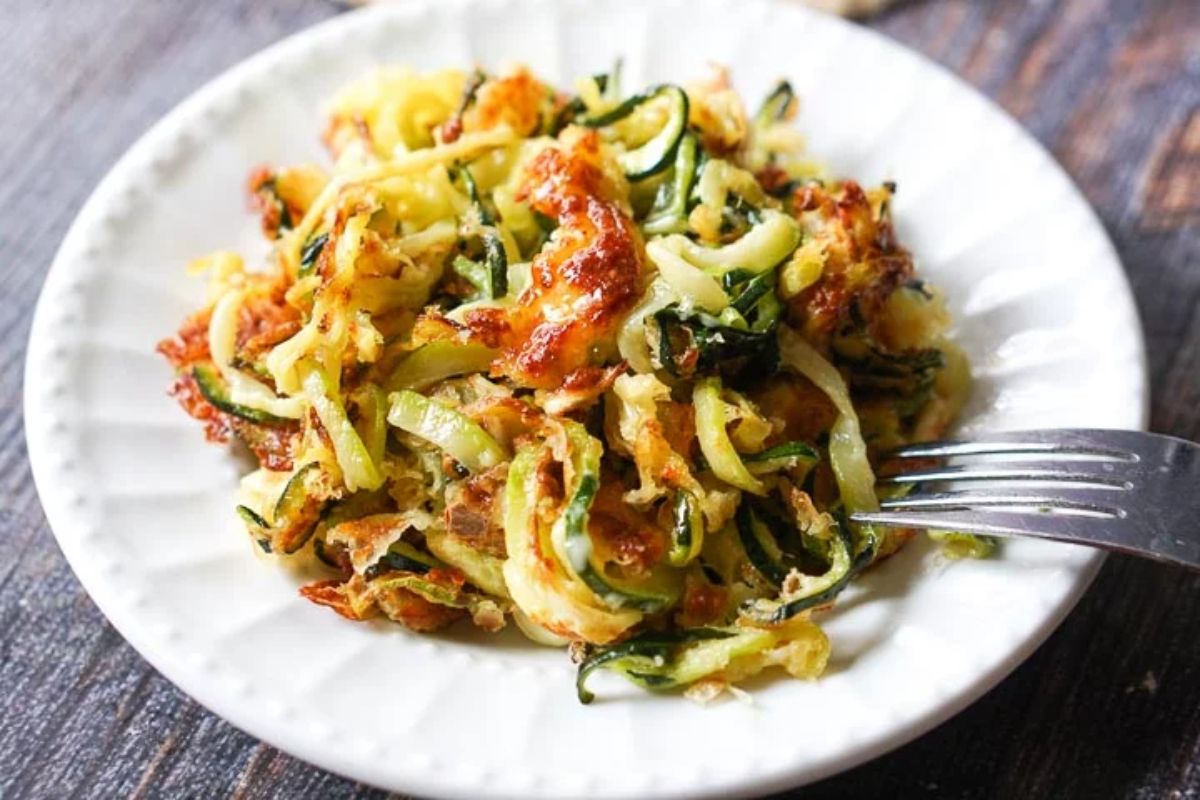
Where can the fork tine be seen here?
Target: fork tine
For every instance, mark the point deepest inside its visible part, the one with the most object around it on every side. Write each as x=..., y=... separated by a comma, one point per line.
x=1092, y=501
x=989, y=448
x=1024, y=473
x=1096, y=444
x=988, y=523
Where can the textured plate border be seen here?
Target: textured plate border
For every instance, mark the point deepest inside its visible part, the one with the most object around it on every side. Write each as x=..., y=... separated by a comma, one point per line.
x=64, y=482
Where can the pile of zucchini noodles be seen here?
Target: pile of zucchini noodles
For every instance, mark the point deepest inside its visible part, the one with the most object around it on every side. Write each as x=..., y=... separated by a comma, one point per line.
x=611, y=366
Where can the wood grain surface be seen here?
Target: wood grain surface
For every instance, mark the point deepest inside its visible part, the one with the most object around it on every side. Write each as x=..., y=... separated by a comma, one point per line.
x=1108, y=707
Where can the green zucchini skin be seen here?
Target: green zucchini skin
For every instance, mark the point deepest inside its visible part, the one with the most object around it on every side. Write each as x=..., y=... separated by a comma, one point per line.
x=651, y=645
x=655, y=155
x=756, y=288
x=843, y=558
x=311, y=252
x=608, y=84
x=776, y=104
x=259, y=527
x=620, y=112
x=482, y=569
x=719, y=348
x=784, y=611
x=670, y=211
x=485, y=215
x=251, y=517
x=359, y=504
x=770, y=240
x=775, y=109
x=906, y=378
x=495, y=258
x=436, y=361
x=402, y=557
x=297, y=514
x=660, y=590
x=447, y=429
x=497, y=264
x=476, y=274
x=755, y=300
x=212, y=388
x=324, y=555
x=470, y=89
x=620, y=594
x=734, y=278
x=844, y=566
x=780, y=457
x=757, y=542
x=425, y=587
x=268, y=190
x=687, y=529
x=788, y=450
x=395, y=562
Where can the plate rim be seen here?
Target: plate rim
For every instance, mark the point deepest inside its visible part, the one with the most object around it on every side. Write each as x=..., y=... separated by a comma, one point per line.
x=201, y=687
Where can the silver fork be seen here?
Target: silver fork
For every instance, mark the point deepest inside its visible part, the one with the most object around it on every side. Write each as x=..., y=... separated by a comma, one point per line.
x=1132, y=492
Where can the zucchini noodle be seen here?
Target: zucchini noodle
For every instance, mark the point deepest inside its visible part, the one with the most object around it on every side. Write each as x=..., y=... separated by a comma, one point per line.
x=847, y=450
x=243, y=390
x=765, y=245
x=696, y=288
x=711, y=419
x=611, y=367
x=358, y=470
x=631, y=340
x=405, y=164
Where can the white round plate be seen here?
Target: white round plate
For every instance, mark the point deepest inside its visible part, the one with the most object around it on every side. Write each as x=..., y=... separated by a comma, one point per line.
x=143, y=507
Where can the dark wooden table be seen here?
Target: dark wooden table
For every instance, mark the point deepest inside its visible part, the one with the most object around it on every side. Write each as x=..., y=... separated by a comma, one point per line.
x=1109, y=707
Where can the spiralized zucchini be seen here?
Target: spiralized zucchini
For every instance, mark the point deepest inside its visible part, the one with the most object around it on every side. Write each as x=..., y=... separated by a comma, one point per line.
x=613, y=366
